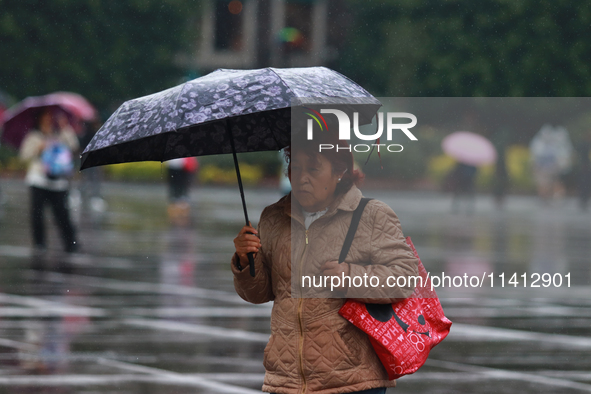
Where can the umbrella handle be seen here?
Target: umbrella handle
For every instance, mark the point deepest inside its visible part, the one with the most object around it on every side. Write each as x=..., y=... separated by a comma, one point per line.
x=251, y=261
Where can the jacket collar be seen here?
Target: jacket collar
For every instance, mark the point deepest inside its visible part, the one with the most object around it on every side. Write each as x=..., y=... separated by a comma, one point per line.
x=347, y=202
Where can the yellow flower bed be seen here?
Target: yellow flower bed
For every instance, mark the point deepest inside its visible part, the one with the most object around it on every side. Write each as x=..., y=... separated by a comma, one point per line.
x=211, y=174
x=139, y=171
x=208, y=173
x=519, y=167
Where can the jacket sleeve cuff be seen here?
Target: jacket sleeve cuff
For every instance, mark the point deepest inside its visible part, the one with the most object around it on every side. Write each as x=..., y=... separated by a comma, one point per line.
x=234, y=266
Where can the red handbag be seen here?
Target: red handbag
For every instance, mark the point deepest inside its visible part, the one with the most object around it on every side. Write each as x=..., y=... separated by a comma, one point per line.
x=402, y=334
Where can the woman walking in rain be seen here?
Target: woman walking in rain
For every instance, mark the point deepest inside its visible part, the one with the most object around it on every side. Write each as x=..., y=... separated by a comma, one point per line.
x=313, y=349
x=48, y=151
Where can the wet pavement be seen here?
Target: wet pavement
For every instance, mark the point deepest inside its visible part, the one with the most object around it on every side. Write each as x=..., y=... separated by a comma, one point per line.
x=148, y=306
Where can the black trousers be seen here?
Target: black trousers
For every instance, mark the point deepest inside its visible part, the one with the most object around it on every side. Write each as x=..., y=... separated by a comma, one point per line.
x=58, y=201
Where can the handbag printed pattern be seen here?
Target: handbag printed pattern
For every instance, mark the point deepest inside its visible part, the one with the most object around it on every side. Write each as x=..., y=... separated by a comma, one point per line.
x=403, y=333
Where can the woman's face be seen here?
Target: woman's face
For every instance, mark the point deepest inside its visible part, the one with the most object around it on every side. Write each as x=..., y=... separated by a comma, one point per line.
x=46, y=123
x=312, y=181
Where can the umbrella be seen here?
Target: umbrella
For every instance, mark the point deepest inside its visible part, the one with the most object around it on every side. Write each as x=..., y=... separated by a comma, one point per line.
x=19, y=119
x=469, y=148
x=226, y=111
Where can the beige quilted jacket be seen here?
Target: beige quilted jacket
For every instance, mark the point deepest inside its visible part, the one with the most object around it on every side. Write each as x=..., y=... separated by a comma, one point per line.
x=312, y=349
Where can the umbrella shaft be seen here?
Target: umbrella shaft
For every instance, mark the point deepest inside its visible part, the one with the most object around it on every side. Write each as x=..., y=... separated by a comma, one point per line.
x=240, y=184
x=229, y=128
x=250, y=255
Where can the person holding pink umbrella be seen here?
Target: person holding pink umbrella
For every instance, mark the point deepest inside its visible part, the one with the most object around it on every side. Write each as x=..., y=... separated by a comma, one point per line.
x=43, y=129
x=48, y=149
x=470, y=150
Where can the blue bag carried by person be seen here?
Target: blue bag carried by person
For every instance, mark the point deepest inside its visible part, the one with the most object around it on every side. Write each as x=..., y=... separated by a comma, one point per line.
x=58, y=161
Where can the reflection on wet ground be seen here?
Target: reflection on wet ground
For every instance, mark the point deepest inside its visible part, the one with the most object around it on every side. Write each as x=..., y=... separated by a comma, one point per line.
x=149, y=307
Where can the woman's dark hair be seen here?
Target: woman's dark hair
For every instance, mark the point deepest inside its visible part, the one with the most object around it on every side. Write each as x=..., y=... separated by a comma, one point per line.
x=340, y=157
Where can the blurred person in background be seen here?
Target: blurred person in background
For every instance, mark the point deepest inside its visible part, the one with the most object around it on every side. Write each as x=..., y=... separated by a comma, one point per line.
x=461, y=183
x=48, y=150
x=180, y=175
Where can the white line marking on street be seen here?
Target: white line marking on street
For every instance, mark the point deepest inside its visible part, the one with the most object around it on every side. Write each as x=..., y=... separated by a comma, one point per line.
x=151, y=288
x=212, y=331
x=463, y=332
x=178, y=378
x=551, y=311
x=153, y=375
x=510, y=375
x=15, y=251
x=17, y=345
x=169, y=312
x=571, y=375
x=54, y=307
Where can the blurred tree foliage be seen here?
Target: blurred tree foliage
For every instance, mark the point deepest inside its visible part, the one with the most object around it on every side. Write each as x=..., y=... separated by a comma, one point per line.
x=107, y=51
x=470, y=48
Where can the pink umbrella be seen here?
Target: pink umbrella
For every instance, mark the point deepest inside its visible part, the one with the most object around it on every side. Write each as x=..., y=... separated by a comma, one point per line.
x=19, y=119
x=469, y=148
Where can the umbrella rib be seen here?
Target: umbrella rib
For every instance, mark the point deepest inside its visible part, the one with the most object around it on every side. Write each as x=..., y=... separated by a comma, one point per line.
x=283, y=82
x=290, y=91
x=176, y=100
x=350, y=80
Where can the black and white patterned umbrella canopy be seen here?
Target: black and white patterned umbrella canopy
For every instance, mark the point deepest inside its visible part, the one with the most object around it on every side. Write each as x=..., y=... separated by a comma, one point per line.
x=196, y=118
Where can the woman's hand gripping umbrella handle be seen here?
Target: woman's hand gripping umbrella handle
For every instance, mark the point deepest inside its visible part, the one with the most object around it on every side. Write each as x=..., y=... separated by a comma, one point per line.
x=247, y=243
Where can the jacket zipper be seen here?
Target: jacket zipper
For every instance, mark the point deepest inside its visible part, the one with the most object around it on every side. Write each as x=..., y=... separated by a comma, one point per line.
x=301, y=345
x=301, y=323
x=300, y=319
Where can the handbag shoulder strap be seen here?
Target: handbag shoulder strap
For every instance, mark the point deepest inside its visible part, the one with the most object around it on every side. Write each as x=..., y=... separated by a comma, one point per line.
x=353, y=228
